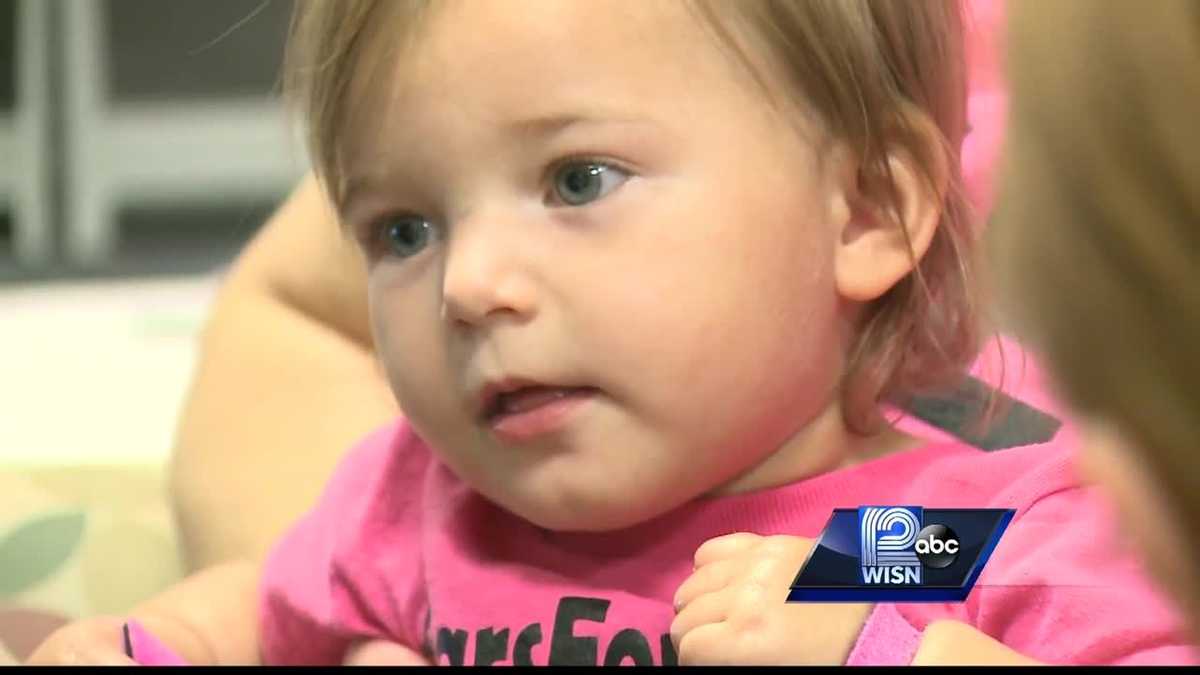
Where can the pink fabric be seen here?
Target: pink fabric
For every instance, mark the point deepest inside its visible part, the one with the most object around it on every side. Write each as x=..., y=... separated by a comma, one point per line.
x=887, y=639
x=399, y=548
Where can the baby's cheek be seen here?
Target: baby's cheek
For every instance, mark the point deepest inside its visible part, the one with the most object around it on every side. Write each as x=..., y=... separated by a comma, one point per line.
x=408, y=338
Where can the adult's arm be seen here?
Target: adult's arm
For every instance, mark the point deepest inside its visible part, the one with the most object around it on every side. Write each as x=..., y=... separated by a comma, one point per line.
x=285, y=382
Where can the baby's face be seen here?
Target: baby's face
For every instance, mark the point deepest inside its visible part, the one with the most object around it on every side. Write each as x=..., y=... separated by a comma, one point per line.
x=600, y=262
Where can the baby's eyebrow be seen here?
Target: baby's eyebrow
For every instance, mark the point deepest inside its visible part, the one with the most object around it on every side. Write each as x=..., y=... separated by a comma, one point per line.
x=353, y=187
x=541, y=125
x=549, y=124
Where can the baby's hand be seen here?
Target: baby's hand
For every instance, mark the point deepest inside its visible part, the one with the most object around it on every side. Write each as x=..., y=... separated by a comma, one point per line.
x=732, y=609
x=97, y=641
x=384, y=653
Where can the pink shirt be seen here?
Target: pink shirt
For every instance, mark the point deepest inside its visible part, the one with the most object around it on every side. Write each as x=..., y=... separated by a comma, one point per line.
x=399, y=548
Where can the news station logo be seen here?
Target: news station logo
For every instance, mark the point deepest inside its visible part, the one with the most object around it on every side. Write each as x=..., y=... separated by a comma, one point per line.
x=899, y=554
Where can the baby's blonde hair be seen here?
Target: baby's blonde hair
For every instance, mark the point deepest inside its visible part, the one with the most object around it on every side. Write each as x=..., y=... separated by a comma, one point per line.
x=880, y=75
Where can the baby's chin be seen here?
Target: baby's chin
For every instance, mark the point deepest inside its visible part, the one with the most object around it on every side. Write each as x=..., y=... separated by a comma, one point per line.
x=596, y=511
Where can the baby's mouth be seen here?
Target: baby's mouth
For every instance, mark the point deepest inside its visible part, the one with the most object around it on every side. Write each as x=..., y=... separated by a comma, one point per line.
x=526, y=398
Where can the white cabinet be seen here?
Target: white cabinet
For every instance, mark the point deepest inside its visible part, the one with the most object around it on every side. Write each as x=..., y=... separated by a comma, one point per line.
x=110, y=150
x=24, y=136
x=157, y=152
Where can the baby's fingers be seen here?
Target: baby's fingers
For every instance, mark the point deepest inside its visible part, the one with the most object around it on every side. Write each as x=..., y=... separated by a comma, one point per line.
x=708, y=579
x=706, y=609
x=96, y=641
x=723, y=547
x=384, y=653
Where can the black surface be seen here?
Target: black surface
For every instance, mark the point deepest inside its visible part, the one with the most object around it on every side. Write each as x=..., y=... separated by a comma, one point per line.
x=963, y=413
x=8, y=47
x=5, y=234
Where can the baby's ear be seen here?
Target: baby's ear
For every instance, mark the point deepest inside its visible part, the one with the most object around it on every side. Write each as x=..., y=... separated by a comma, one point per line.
x=889, y=225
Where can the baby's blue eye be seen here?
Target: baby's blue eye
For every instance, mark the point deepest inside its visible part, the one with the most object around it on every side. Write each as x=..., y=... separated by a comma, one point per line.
x=406, y=236
x=578, y=183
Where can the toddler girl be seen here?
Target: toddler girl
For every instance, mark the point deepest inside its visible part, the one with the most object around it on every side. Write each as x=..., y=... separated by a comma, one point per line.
x=649, y=280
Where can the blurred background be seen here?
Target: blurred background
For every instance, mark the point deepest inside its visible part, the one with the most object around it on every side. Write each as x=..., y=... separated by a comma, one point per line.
x=142, y=143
